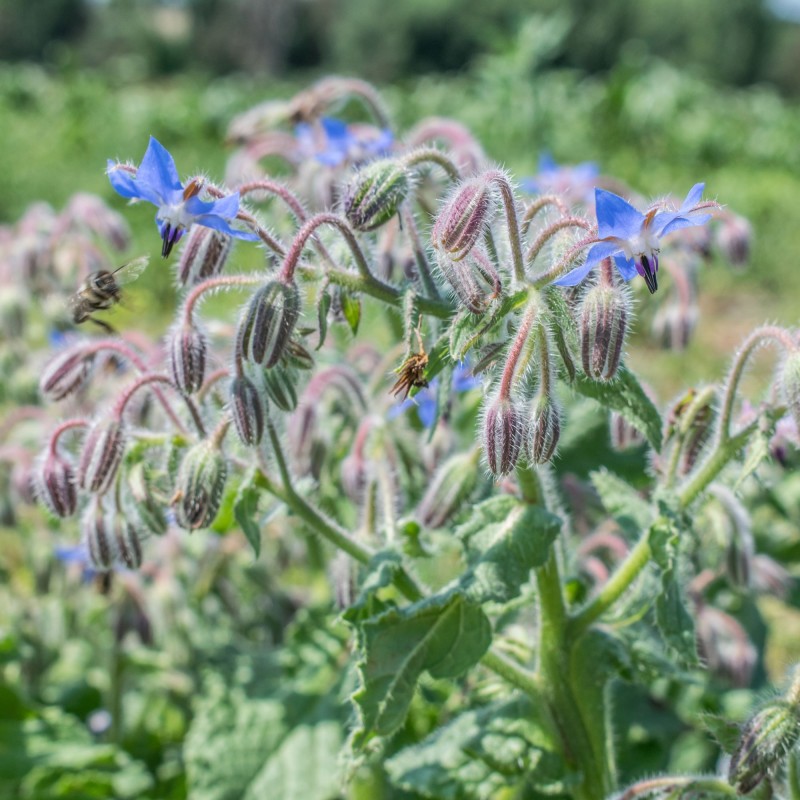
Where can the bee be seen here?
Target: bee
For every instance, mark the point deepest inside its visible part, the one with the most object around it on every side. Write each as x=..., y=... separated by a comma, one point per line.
x=103, y=289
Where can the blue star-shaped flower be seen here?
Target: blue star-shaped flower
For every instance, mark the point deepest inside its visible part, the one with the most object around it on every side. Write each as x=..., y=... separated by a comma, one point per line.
x=179, y=206
x=632, y=238
x=333, y=142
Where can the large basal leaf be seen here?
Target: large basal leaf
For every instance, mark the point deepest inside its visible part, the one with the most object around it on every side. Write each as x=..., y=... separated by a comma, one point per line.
x=505, y=539
x=625, y=396
x=443, y=635
x=480, y=753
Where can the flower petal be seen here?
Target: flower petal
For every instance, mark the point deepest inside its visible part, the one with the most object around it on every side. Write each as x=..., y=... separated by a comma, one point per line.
x=158, y=171
x=226, y=207
x=574, y=277
x=693, y=198
x=626, y=267
x=603, y=250
x=615, y=216
x=219, y=224
x=685, y=222
x=125, y=184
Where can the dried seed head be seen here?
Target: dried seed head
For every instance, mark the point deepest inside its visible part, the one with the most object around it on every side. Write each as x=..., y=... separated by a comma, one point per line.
x=604, y=315
x=452, y=484
x=65, y=374
x=503, y=434
x=464, y=217
x=248, y=408
x=790, y=383
x=101, y=455
x=55, y=485
x=374, y=194
x=268, y=323
x=204, y=255
x=765, y=741
x=127, y=543
x=544, y=430
x=187, y=345
x=199, y=486
x=98, y=538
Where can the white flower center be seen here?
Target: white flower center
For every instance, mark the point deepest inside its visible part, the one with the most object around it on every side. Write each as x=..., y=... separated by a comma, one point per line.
x=175, y=215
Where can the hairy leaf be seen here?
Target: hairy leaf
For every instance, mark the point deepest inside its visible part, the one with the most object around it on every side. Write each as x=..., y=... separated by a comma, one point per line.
x=623, y=502
x=244, y=510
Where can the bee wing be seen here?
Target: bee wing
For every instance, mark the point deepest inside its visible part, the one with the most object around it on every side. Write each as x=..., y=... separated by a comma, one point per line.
x=129, y=272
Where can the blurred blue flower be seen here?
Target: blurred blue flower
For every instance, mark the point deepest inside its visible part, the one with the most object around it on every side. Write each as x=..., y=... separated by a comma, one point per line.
x=76, y=554
x=333, y=141
x=426, y=400
x=634, y=238
x=179, y=206
x=573, y=182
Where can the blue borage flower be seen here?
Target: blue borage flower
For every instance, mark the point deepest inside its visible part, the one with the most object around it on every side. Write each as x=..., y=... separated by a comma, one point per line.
x=575, y=182
x=179, y=206
x=425, y=400
x=333, y=141
x=632, y=238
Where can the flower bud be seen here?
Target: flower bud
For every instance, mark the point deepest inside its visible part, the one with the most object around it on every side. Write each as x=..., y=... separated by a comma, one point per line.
x=354, y=476
x=199, y=486
x=734, y=238
x=544, y=430
x=503, y=432
x=248, y=409
x=55, y=485
x=473, y=278
x=605, y=311
x=451, y=486
x=101, y=455
x=673, y=325
x=204, y=255
x=464, y=217
x=98, y=538
x=624, y=436
x=148, y=507
x=723, y=645
x=268, y=322
x=374, y=194
x=14, y=304
x=187, y=347
x=127, y=543
x=65, y=374
x=279, y=385
x=766, y=739
x=790, y=383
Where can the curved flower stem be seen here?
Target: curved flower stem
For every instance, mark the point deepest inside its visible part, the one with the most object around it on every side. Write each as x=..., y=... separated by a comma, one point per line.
x=515, y=351
x=636, y=560
x=214, y=378
x=540, y=203
x=757, y=338
x=219, y=282
x=62, y=428
x=668, y=786
x=421, y=258
x=552, y=230
x=430, y=155
x=329, y=90
x=510, y=205
x=146, y=380
x=565, y=264
x=245, y=216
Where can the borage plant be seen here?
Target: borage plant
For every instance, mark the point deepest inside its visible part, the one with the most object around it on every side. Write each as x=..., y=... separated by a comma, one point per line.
x=520, y=592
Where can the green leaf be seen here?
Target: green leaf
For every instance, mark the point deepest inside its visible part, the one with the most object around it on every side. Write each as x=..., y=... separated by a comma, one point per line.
x=623, y=502
x=482, y=752
x=382, y=570
x=674, y=621
x=505, y=540
x=625, y=396
x=466, y=329
x=443, y=635
x=244, y=510
x=351, y=309
x=323, y=307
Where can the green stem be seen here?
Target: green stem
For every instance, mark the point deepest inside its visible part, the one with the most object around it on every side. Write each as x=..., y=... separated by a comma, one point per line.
x=420, y=257
x=627, y=572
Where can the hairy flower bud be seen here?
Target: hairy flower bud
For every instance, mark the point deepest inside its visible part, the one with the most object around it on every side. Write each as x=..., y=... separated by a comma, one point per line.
x=451, y=486
x=624, y=436
x=204, y=255
x=374, y=194
x=98, y=538
x=199, y=486
x=723, y=645
x=127, y=543
x=101, y=455
x=65, y=374
x=473, y=278
x=268, y=322
x=544, y=430
x=605, y=311
x=765, y=741
x=503, y=433
x=55, y=485
x=280, y=385
x=187, y=346
x=464, y=217
x=148, y=507
x=734, y=238
x=673, y=325
x=248, y=409
x=790, y=383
